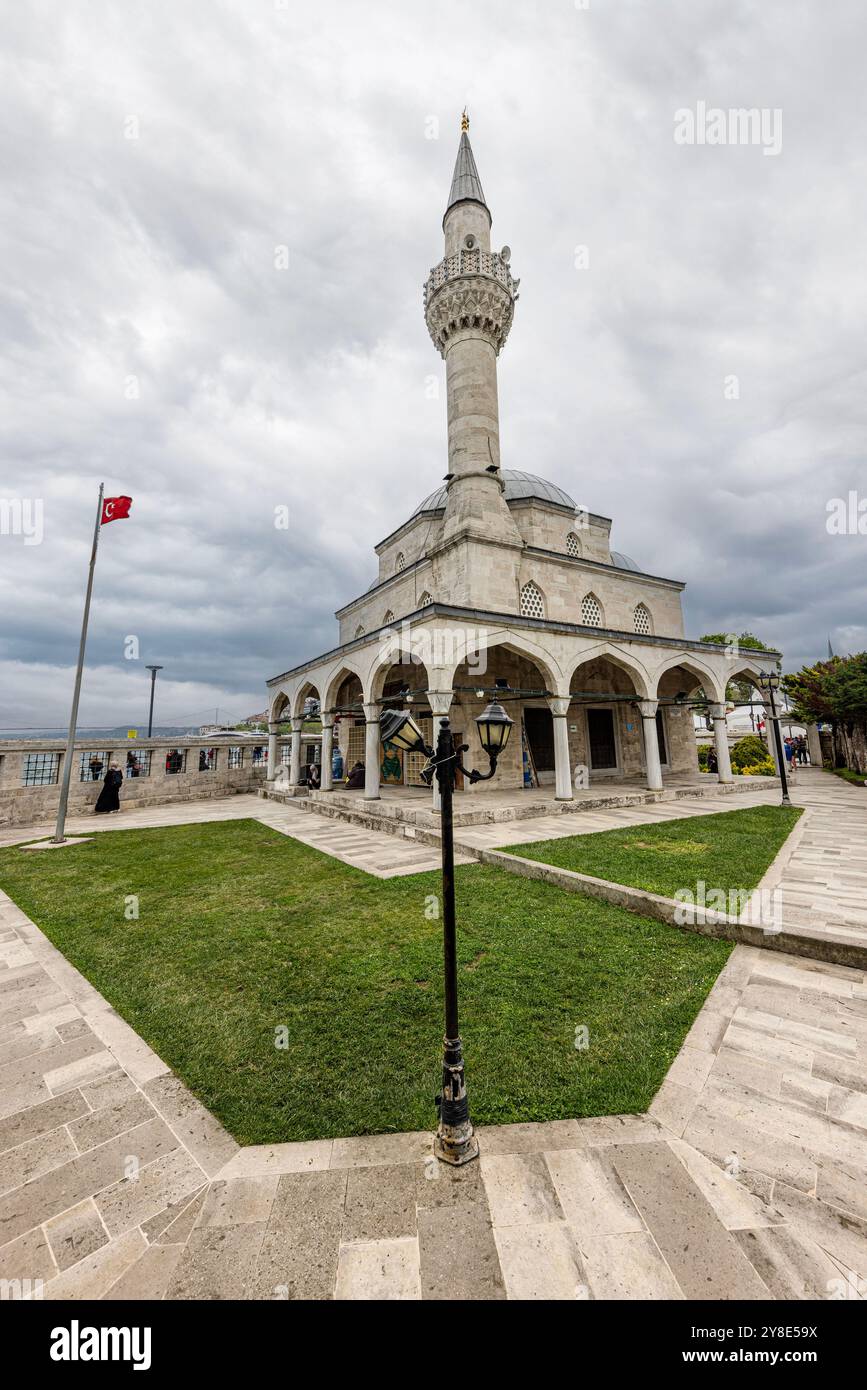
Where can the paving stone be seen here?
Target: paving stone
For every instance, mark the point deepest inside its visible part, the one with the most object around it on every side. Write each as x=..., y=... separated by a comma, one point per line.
x=216, y=1262
x=76, y=1233
x=28, y=1257
x=81, y=1177
x=791, y=1265
x=115, y=1119
x=262, y=1160
x=458, y=1259
x=173, y=1224
x=379, y=1269
x=155, y=1186
x=541, y=1261
x=240, y=1201
x=592, y=1197
x=40, y=1119
x=380, y=1202
x=36, y=1156
x=299, y=1252
x=94, y=1275
x=209, y=1143
x=627, y=1267
x=370, y=1149
x=520, y=1189
x=704, y=1258
x=149, y=1277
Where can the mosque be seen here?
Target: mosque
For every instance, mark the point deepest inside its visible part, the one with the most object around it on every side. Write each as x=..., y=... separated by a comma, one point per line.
x=498, y=575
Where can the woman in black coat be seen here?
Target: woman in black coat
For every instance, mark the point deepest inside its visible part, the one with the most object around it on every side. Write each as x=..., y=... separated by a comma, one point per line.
x=109, y=797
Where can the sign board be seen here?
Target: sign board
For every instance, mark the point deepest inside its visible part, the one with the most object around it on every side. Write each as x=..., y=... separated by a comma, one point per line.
x=132, y=733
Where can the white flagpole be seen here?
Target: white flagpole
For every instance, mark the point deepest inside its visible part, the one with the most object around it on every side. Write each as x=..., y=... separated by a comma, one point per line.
x=59, y=836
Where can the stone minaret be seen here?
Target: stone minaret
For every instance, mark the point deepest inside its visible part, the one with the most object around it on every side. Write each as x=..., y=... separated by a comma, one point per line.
x=469, y=302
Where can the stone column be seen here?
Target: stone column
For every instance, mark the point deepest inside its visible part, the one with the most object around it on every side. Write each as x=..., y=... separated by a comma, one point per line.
x=273, y=752
x=326, y=782
x=372, y=753
x=440, y=702
x=814, y=745
x=295, y=757
x=721, y=742
x=653, y=768
x=559, y=707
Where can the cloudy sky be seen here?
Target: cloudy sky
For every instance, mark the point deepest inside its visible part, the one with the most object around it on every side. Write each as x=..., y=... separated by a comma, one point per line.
x=219, y=217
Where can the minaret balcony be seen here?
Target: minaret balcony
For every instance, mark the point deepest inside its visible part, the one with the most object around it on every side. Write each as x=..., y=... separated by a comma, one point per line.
x=471, y=290
x=463, y=263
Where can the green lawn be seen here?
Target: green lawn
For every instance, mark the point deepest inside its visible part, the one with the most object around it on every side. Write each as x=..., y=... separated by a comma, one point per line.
x=242, y=930
x=729, y=850
x=857, y=779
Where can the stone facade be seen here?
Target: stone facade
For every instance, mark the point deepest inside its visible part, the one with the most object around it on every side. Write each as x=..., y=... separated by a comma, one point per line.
x=501, y=574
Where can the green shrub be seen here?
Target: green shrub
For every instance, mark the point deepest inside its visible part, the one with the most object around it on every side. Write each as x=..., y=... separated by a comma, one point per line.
x=763, y=769
x=748, y=751
x=703, y=752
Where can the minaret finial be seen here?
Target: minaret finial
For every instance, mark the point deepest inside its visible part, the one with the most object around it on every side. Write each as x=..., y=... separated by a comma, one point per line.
x=465, y=120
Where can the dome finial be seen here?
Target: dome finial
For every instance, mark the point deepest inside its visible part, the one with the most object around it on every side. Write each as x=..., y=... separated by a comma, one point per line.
x=465, y=120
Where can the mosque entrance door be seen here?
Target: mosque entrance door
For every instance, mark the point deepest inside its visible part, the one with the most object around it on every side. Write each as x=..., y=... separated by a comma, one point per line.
x=601, y=740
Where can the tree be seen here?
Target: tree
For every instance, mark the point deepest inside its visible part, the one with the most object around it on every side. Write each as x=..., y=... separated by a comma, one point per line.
x=738, y=691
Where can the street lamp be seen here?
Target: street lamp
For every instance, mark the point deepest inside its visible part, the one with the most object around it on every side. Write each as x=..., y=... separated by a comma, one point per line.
x=153, y=670
x=769, y=683
x=455, y=1141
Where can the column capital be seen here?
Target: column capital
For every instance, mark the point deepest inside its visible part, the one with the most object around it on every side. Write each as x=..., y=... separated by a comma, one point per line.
x=716, y=711
x=647, y=708
x=327, y=721
x=297, y=723
x=371, y=711
x=440, y=702
x=559, y=705
x=273, y=727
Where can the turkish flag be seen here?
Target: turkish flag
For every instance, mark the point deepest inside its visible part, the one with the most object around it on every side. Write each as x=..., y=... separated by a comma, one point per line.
x=115, y=509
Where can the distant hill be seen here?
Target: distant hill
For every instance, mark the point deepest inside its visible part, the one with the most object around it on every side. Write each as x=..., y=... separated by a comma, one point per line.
x=116, y=734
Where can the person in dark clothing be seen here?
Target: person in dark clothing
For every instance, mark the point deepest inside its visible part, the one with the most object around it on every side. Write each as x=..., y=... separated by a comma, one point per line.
x=109, y=797
x=712, y=764
x=95, y=767
x=355, y=780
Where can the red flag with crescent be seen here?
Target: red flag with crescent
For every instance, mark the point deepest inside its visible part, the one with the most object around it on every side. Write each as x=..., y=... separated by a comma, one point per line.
x=115, y=509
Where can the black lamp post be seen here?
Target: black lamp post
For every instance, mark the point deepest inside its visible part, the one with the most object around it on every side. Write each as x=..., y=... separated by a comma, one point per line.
x=770, y=683
x=455, y=1140
x=153, y=670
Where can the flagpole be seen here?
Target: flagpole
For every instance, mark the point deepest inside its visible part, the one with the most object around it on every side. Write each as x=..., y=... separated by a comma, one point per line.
x=59, y=836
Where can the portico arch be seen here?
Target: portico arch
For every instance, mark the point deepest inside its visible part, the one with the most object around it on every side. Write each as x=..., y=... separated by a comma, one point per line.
x=692, y=673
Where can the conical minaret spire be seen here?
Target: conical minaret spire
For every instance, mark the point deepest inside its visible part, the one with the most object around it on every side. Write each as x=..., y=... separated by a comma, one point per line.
x=469, y=303
x=466, y=184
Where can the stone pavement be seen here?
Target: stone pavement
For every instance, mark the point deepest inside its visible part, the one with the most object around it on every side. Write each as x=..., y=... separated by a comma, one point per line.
x=746, y=1180
x=376, y=852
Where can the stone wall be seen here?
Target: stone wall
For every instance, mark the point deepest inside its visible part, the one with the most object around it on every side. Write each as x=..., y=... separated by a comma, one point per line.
x=32, y=805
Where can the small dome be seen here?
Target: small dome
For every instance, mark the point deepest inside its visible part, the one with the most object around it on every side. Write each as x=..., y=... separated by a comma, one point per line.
x=518, y=486
x=624, y=562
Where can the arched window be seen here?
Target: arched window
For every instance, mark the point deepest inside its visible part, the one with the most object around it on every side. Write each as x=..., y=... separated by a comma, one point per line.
x=425, y=599
x=532, y=602
x=641, y=619
x=359, y=631
x=573, y=545
x=591, y=611
x=400, y=562
x=389, y=618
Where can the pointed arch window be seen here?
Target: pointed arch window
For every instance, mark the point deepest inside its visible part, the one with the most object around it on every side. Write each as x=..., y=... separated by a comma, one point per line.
x=389, y=618
x=400, y=562
x=641, y=620
x=591, y=611
x=573, y=545
x=532, y=602
x=425, y=599
x=359, y=631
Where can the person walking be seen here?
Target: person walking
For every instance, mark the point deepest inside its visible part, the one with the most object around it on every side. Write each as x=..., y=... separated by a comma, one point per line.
x=109, y=797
